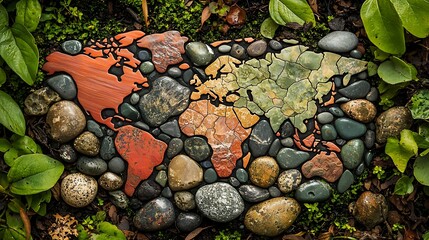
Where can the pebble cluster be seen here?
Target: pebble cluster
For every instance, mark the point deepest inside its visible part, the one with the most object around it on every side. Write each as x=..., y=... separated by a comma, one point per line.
x=180, y=131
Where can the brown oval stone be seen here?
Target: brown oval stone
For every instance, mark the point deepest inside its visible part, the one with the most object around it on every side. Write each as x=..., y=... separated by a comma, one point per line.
x=370, y=209
x=272, y=217
x=263, y=171
x=184, y=173
x=65, y=120
x=360, y=110
x=87, y=143
x=391, y=122
x=328, y=167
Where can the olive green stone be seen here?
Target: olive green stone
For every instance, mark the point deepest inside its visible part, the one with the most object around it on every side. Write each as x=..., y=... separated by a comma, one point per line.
x=147, y=67
x=352, y=153
x=346, y=180
x=329, y=132
x=161, y=178
x=130, y=112
x=313, y=191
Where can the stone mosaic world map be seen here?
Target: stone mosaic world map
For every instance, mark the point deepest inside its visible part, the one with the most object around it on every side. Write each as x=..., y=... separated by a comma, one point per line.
x=215, y=130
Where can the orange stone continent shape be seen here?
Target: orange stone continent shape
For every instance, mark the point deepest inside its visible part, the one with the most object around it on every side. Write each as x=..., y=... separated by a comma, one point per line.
x=223, y=127
x=142, y=152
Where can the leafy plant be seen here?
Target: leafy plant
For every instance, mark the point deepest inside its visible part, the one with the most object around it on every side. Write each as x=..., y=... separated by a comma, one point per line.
x=385, y=20
x=404, y=185
x=94, y=227
x=419, y=106
x=283, y=12
x=228, y=235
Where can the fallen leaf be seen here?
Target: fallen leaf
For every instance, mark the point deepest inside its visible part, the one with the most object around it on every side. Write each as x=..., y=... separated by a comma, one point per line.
x=196, y=232
x=205, y=15
x=314, y=6
x=236, y=16
x=145, y=12
x=27, y=225
x=410, y=235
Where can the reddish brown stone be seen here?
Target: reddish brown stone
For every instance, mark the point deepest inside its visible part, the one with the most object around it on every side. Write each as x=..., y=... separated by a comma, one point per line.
x=167, y=48
x=328, y=167
x=221, y=126
x=91, y=74
x=142, y=152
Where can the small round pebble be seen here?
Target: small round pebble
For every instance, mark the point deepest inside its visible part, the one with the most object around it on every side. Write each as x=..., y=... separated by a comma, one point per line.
x=78, y=190
x=234, y=182
x=87, y=143
x=263, y=171
x=147, y=67
x=210, y=176
x=166, y=192
x=148, y=190
x=355, y=54
x=184, y=200
x=174, y=72
x=287, y=142
x=144, y=55
x=187, y=222
x=242, y=175
x=224, y=48
x=275, y=45
x=91, y=166
x=67, y=154
x=134, y=99
x=116, y=165
x=289, y=180
x=274, y=191
x=119, y=199
x=110, y=181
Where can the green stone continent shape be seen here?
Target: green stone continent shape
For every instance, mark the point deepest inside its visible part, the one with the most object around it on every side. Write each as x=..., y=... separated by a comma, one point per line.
x=285, y=85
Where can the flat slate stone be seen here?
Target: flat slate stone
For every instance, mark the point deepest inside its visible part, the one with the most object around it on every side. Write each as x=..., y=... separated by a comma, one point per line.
x=253, y=194
x=328, y=132
x=290, y=158
x=174, y=147
x=129, y=111
x=64, y=85
x=188, y=221
x=219, y=202
x=346, y=180
x=210, y=175
x=275, y=147
x=107, y=149
x=171, y=128
x=356, y=90
x=155, y=215
x=261, y=138
x=349, y=129
x=313, y=191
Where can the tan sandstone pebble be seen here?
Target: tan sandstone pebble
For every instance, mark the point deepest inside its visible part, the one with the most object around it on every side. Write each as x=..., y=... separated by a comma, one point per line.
x=65, y=120
x=78, y=190
x=289, y=180
x=272, y=217
x=391, y=122
x=263, y=171
x=370, y=209
x=184, y=173
x=110, y=181
x=87, y=143
x=184, y=200
x=360, y=110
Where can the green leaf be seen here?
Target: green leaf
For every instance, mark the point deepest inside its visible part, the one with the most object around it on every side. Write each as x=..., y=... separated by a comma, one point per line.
x=383, y=26
x=4, y=145
x=15, y=205
x=110, y=230
x=404, y=185
x=287, y=11
x=10, y=156
x=2, y=76
x=19, y=50
x=414, y=16
x=401, y=150
x=419, y=106
x=4, y=17
x=372, y=68
x=268, y=28
x=28, y=13
x=10, y=114
x=380, y=55
x=3, y=180
x=421, y=169
x=26, y=144
x=396, y=71
x=425, y=236
x=34, y=173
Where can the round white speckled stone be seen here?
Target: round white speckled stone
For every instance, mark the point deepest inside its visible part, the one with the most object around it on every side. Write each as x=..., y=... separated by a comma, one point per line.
x=78, y=190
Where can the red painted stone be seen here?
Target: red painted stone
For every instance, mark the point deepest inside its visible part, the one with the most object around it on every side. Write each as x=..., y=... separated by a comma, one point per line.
x=142, y=152
x=167, y=48
x=97, y=88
